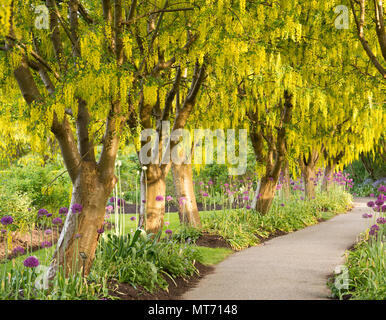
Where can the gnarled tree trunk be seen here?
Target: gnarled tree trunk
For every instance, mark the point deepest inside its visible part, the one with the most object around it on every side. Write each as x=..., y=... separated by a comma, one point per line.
x=327, y=178
x=308, y=172
x=275, y=138
x=267, y=193
x=79, y=238
x=183, y=182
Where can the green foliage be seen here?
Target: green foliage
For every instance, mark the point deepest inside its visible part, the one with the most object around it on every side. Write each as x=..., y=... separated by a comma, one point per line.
x=36, y=181
x=366, y=265
x=19, y=284
x=187, y=234
x=17, y=205
x=363, y=190
x=145, y=260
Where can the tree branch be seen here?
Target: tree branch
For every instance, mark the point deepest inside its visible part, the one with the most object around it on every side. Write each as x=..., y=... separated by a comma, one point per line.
x=360, y=29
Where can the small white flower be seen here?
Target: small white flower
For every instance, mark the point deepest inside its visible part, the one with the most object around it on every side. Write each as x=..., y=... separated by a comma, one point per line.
x=118, y=163
x=144, y=168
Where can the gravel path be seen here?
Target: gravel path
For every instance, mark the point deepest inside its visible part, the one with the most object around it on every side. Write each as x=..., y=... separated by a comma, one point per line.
x=291, y=267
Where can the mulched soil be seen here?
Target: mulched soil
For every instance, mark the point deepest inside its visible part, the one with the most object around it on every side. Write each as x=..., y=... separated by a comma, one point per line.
x=125, y=291
x=212, y=241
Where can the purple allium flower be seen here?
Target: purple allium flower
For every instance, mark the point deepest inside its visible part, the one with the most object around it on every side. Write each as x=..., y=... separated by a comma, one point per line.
x=168, y=231
x=48, y=232
x=383, y=208
x=282, y=204
x=205, y=194
x=63, y=210
x=381, y=220
x=245, y=192
x=372, y=195
x=18, y=250
x=370, y=204
x=42, y=212
x=379, y=202
x=6, y=220
x=246, y=198
x=301, y=198
x=365, y=215
x=76, y=208
x=382, y=188
x=112, y=199
x=373, y=230
x=248, y=207
x=57, y=221
x=49, y=215
x=133, y=218
x=143, y=201
x=169, y=198
x=159, y=198
x=31, y=262
x=210, y=182
x=46, y=244
x=226, y=185
x=121, y=202
x=101, y=230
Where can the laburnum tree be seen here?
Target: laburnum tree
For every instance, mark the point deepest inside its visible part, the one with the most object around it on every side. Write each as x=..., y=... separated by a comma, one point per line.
x=93, y=78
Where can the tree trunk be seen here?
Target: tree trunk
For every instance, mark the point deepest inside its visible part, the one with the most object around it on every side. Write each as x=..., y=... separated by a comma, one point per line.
x=286, y=180
x=267, y=193
x=327, y=178
x=80, y=232
x=309, y=177
x=155, y=209
x=183, y=182
x=142, y=210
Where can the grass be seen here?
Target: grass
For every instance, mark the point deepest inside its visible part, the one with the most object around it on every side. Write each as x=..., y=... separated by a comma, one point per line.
x=212, y=256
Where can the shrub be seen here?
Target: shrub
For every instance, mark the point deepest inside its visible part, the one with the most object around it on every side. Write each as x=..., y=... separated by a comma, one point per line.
x=17, y=205
x=36, y=181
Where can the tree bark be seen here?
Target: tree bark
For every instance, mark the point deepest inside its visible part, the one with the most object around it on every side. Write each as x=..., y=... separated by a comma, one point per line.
x=308, y=172
x=183, y=182
x=327, y=178
x=80, y=232
x=155, y=209
x=286, y=180
x=309, y=177
x=267, y=193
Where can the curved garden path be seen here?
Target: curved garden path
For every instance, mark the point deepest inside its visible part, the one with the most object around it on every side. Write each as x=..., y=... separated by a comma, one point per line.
x=294, y=266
